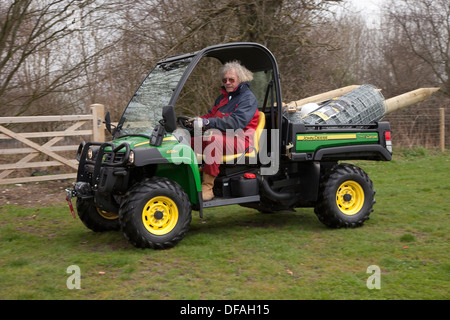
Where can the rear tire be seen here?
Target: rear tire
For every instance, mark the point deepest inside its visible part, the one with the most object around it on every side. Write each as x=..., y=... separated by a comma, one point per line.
x=155, y=214
x=346, y=197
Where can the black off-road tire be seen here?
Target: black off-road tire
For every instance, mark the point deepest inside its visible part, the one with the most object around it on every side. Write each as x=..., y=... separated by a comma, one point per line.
x=346, y=197
x=156, y=213
x=96, y=219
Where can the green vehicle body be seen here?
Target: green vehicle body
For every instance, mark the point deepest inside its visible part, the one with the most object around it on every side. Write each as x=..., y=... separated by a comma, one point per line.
x=149, y=158
x=311, y=142
x=181, y=165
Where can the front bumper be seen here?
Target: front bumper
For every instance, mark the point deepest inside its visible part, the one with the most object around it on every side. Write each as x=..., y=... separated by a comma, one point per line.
x=104, y=175
x=114, y=161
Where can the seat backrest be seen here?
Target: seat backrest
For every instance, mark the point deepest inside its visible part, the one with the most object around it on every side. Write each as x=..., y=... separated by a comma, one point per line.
x=259, y=130
x=253, y=151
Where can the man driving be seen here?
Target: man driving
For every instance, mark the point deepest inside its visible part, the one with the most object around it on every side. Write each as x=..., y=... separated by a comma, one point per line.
x=236, y=108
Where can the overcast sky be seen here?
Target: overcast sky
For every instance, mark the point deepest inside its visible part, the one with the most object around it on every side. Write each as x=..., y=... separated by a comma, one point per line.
x=371, y=8
x=367, y=5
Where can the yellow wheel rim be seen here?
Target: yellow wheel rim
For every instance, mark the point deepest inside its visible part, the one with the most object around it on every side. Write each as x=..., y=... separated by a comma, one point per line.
x=350, y=198
x=160, y=215
x=107, y=215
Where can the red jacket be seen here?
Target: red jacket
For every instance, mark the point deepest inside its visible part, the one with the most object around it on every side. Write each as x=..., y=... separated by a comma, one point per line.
x=234, y=110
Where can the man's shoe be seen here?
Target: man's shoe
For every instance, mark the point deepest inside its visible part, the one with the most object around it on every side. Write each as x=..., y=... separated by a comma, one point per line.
x=207, y=187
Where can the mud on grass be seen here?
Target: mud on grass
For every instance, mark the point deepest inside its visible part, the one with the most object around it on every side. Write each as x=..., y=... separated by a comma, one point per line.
x=34, y=194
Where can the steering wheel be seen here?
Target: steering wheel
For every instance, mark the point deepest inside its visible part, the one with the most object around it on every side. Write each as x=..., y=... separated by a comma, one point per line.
x=185, y=124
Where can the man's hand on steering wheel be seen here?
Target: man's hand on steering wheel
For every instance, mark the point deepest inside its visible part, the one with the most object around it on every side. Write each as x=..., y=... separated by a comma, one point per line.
x=184, y=122
x=198, y=123
x=190, y=123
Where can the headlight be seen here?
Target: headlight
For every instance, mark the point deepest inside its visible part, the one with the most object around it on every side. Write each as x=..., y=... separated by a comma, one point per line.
x=131, y=157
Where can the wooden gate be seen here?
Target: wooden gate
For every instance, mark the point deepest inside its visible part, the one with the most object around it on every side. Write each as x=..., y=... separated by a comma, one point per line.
x=32, y=149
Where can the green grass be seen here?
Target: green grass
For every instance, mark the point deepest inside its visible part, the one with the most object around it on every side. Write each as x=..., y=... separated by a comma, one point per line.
x=237, y=253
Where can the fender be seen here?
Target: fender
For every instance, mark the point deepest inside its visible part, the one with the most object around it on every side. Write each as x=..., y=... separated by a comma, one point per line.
x=175, y=161
x=363, y=152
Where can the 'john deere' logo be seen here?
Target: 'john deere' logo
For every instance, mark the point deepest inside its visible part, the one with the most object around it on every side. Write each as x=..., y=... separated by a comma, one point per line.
x=349, y=136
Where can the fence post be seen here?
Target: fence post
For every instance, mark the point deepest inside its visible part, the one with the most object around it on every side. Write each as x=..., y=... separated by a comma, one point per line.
x=98, y=127
x=442, y=128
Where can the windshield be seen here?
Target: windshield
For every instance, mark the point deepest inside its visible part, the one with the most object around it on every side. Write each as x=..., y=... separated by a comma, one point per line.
x=145, y=108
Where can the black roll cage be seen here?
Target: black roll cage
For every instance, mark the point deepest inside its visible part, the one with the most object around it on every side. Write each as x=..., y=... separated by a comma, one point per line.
x=253, y=56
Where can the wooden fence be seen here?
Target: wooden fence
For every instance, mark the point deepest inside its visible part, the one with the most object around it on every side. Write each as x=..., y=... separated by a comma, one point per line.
x=31, y=149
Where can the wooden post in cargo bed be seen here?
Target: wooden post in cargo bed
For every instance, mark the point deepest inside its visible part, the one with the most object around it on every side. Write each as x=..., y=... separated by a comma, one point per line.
x=322, y=96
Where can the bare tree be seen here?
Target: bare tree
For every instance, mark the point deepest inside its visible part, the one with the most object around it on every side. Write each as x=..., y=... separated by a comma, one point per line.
x=425, y=27
x=79, y=52
x=39, y=52
x=167, y=27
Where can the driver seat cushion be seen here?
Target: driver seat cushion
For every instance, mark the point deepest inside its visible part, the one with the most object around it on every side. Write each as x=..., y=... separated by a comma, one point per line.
x=253, y=151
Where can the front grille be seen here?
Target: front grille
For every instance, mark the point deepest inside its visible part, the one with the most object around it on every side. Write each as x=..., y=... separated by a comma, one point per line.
x=111, y=157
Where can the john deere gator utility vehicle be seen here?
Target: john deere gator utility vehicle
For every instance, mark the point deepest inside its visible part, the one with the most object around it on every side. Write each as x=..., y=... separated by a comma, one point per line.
x=147, y=180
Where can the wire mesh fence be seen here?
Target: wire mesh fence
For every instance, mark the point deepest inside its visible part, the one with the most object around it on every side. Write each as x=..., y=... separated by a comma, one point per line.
x=429, y=127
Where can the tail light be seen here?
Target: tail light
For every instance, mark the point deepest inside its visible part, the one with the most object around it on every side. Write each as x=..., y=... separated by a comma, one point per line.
x=387, y=138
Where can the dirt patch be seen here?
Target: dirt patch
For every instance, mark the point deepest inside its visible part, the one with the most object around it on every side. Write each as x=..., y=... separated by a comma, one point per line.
x=35, y=194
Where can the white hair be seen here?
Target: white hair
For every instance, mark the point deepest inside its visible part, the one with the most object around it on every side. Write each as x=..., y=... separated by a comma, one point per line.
x=242, y=72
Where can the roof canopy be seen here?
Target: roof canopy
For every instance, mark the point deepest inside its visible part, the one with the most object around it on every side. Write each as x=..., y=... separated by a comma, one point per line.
x=253, y=56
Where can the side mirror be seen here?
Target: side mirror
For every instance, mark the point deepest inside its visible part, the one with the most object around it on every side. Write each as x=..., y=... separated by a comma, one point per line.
x=167, y=124
x=170, y=119
x=107, y=121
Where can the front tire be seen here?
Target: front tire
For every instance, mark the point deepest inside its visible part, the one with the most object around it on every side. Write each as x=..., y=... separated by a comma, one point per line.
x=96, y=219
x=346, y=197
x=155, y=214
